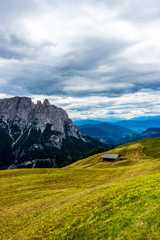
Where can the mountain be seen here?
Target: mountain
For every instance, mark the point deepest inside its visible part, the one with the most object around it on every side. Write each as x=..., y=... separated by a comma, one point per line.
x=32, y=134
x=149, y=133
x=140, y=125
x=86, y=121
x=19, y=113
x=112, y=133
x=89, y=199
x=143, y=118
x=111, y=120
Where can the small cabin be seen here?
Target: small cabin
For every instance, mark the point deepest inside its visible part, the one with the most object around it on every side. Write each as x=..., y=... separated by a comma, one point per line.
x=108, y=157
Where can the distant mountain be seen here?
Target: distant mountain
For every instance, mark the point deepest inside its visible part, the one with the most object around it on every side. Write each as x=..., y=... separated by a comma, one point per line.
x=99, y=134
x=120, y=122
x=112, y=133
x=111, y=120
x=140, y=125
x=86, y=121
x=150, y=132
x=34, y=134
x=93, y=131
x=144, y=118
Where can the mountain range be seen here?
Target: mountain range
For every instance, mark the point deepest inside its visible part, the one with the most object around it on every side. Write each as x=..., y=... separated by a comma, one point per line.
x=149, y=133
x=115, y=134
x=42, y=135
x=38, y=134
x=138, y=124
x=110, y=132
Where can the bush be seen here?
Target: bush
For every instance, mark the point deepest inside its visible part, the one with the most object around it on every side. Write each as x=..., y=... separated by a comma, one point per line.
x=94, y=151
x=68, y=161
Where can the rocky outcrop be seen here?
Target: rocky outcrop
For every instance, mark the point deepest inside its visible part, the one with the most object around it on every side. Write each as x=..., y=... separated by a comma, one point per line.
x=33, y=135
x=38, y=163
x=22, y=112
x=33, y=128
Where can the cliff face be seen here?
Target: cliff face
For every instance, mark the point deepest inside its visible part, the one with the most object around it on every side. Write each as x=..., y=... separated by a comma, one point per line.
x=22, y=113
x=38, y=135
x=30, y=132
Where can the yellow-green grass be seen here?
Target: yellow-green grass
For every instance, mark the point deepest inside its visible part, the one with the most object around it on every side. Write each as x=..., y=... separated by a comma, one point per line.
x=89, y=199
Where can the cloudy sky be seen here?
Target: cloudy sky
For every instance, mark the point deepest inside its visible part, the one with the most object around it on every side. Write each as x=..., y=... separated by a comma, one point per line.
x=95, y=59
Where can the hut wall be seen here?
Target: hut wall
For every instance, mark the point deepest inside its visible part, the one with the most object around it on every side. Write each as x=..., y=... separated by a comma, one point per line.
x=108, y=160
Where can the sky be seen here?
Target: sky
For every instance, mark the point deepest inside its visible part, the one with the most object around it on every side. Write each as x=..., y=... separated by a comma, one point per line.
x=95, y=59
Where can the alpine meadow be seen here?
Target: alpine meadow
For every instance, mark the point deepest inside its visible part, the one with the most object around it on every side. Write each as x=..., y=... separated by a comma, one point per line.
x=89, y=199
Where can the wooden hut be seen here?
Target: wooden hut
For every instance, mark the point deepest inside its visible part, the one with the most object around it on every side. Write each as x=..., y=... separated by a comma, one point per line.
x=108, y=157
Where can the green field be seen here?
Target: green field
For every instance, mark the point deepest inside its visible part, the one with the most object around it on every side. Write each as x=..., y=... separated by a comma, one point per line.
x=89, y=199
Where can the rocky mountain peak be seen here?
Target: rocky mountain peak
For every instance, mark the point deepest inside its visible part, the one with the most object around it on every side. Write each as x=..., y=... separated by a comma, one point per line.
x=39, y=102
x=37, y=134
x=22, y=111
x=46, y=102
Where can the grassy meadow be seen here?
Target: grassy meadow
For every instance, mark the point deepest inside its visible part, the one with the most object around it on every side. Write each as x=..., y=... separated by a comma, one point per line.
x=89, y=199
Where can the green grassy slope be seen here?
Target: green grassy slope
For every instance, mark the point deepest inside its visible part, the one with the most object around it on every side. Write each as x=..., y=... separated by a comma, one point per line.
x=89, y=199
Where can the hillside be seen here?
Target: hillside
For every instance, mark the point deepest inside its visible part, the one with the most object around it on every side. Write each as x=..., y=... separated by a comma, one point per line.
x=149, y=133
x=140, y=125
x=113, y=133
x=131, y=154
x=89, y=199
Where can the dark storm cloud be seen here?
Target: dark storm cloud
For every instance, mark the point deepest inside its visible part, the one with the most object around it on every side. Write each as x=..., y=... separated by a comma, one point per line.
x=75, y=68
x=10, y=47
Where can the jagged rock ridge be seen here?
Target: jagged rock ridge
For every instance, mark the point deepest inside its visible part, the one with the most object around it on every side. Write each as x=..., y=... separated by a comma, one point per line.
x=22, y=112
x=36, y=131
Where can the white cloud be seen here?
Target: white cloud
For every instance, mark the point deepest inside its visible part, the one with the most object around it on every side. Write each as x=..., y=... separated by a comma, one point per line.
x=126, y=106
x=90, y=53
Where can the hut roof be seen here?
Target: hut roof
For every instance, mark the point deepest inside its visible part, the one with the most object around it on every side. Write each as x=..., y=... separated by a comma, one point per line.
x=110, y=155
